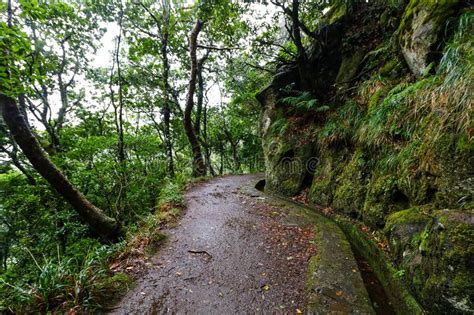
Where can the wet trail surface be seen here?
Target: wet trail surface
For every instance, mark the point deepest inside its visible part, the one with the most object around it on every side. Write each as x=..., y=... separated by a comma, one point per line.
x=230, y=253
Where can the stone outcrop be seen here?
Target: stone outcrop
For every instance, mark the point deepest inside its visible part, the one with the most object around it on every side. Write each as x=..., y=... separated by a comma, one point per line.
x=377, y=145
x=421, y=30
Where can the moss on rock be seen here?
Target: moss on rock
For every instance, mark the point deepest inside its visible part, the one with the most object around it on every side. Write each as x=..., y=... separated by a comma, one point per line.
x=396, y=151
x=331, y=163
x=436, y=251
x=348, y=68
x=420, y=30
x=383, y=197
x=351, y=185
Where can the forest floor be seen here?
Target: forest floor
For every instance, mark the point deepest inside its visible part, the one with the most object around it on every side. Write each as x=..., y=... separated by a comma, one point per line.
x=229, y=253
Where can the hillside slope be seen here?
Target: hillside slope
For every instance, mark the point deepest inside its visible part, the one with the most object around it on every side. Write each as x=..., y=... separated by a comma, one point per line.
x=385, y=135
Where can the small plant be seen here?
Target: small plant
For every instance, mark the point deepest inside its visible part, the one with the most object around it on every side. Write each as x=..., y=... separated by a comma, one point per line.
x=399, y=274
x=171, y=193
x=303, y=102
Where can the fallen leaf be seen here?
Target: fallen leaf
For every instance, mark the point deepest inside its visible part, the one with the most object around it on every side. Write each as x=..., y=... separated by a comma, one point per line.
x=339, y=293
x=178, y=273
x=298, y=311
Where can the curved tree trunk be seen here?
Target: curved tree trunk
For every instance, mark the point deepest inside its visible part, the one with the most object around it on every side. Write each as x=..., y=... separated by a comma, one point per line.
x=105, y=227
x=199, y=168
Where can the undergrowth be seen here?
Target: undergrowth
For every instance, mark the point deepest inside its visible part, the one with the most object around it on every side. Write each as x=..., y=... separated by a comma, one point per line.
x=88, y=276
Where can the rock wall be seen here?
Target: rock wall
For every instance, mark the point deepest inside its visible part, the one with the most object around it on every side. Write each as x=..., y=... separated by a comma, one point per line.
x=386, y=135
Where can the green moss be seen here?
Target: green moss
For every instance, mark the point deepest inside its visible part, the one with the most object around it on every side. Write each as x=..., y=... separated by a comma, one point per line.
x=465, y=144
x=336, y=12
x=285, y=157
x=351, y=185
x=388, y=67
x=438, y=10
x=383, y=197
x=323, y=186
x=374, y=99
x=421, y=30
x=409, y=216
x=321, y=191
x=349, y=66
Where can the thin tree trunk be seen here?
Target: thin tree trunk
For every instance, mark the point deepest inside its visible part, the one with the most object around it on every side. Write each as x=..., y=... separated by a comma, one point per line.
x=105, y=227
x=166, y=91
x=233, y=146
x=301, y=57
x=235, y=156
x=200, y=93
x=207, y=149
x=199, y=168
x=221, y=168
x=121, y=149
x=13, y=155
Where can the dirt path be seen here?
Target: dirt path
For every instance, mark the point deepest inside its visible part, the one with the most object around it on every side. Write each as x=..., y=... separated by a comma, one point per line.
x=230, y=253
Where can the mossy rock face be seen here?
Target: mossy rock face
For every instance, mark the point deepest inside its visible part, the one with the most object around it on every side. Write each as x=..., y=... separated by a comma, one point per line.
x=348, y=68
x=420, y=29
x=351, y=185
x=436, y=251
x=448, y=246
x=331, y=163
x=443, y=173
x=383, y=197
x=453, y=170
x=337, y=12
x=403, y=229
x=396, y=155
x=287, y=152
x=286, y=165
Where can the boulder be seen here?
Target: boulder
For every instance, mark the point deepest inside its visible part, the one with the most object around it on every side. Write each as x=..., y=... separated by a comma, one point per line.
x=421, y=29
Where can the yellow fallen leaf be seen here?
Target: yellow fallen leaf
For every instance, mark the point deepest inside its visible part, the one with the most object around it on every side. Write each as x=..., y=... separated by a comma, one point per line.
x=298, y=311
x=339, y=293
x=178, y=273
x=266, y=287
x=289, y=258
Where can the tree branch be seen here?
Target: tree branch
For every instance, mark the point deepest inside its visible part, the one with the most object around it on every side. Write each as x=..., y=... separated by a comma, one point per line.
x=216, y=48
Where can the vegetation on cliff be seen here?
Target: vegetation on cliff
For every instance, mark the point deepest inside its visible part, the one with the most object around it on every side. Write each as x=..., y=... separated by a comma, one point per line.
x=392, y=127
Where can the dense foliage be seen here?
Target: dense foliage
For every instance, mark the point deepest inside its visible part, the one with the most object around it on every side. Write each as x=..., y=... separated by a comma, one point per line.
x=134, y=100
x=101, y=117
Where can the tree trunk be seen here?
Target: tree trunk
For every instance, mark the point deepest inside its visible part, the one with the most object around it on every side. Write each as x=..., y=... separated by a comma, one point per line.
x=200, y=93
x=105, y=227
x=121, y=148
x=199, y=168
x=166, y=90
x=235, y=156
x=301, y=57
x=207, y=149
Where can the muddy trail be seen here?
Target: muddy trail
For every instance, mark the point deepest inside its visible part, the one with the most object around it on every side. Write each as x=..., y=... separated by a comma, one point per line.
x=232, y=251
